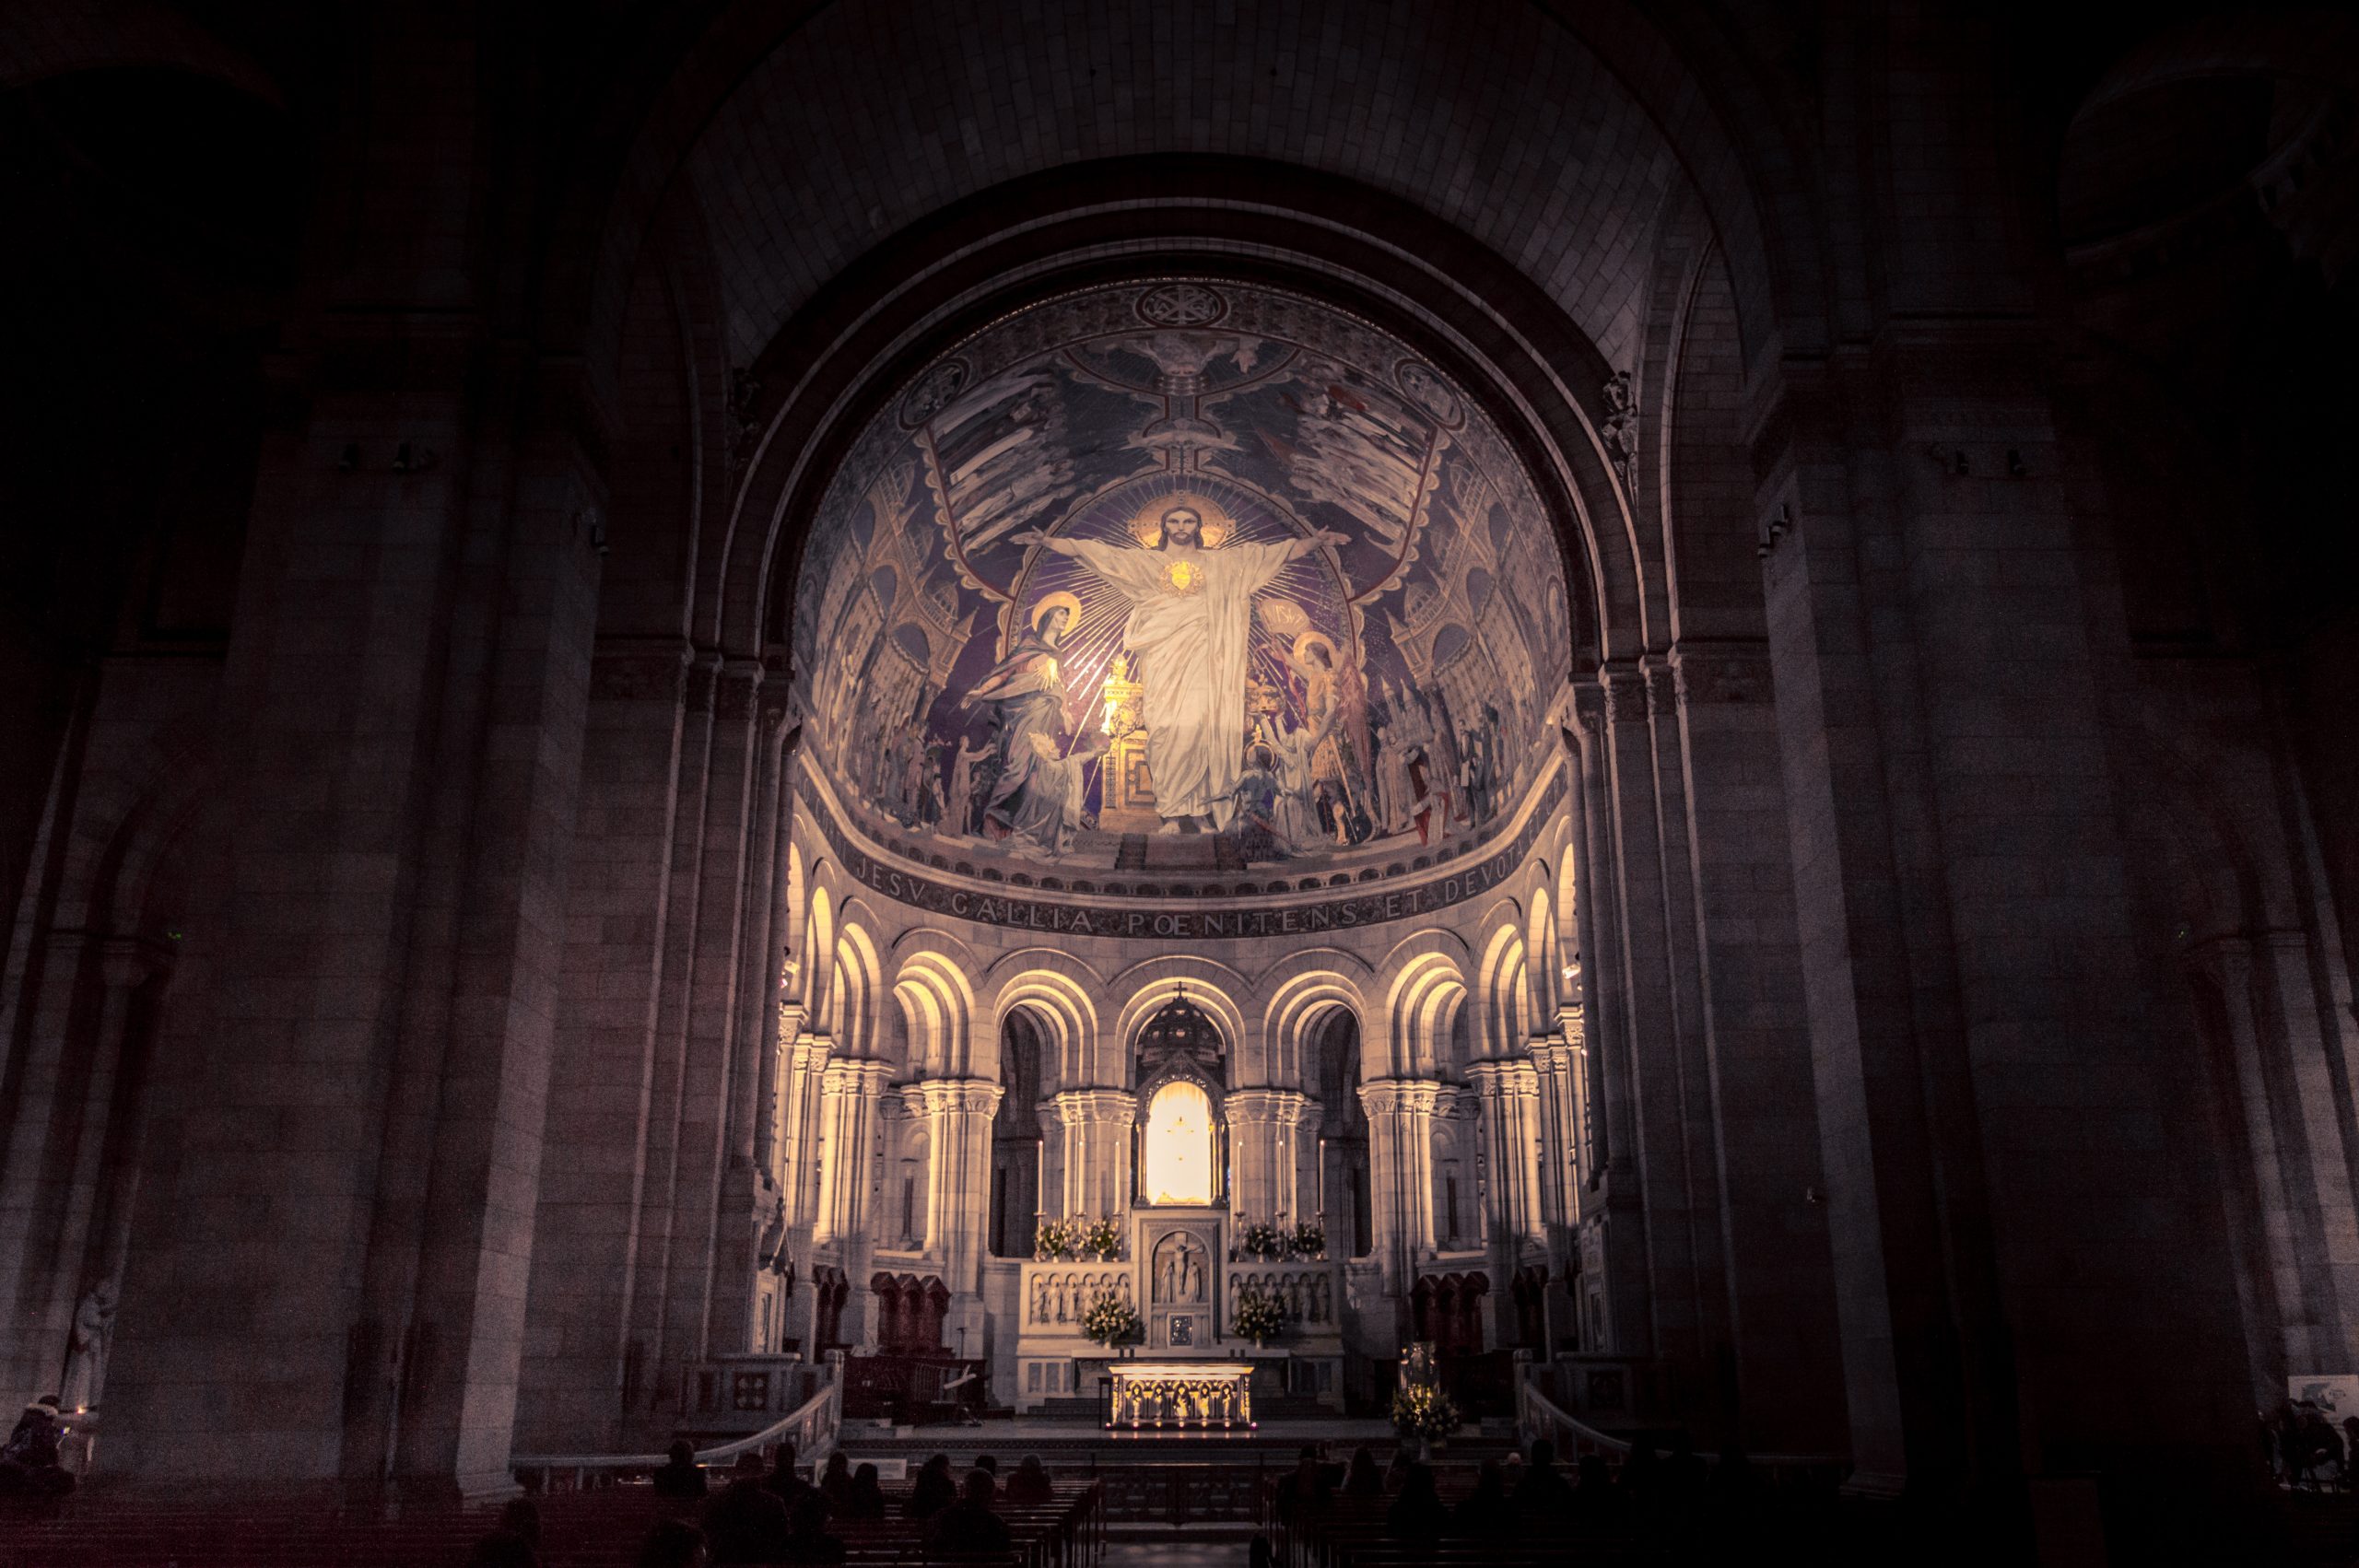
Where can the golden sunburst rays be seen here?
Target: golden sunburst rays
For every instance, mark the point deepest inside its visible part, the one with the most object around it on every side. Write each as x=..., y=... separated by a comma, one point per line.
x=1091, y=640
x=1214, y=525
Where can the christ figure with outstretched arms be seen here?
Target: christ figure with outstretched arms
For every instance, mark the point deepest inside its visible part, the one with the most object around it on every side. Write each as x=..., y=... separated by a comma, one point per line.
x=1190, y=621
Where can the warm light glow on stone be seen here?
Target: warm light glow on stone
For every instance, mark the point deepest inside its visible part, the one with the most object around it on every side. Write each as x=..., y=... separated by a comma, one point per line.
x=1179, y=1145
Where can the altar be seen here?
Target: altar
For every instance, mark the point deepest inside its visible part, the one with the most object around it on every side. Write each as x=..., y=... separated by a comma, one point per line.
x=1186, y=1394
x=1176, y=1272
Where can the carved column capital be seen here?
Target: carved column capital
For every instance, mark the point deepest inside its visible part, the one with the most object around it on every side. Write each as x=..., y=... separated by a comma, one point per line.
x=1734, y=672
x=1417, y=1096
x=1503, y=1079
x=737, y=690
x=698, y=687
x=951, y=1096
x=639, y=669
x=857, y=1075
x=1273, y=1107
x=1625, y=687
x=2226, y=960
x=1589, y=709
x=127, y=962
x=1086, y=1108
x=1661, y=687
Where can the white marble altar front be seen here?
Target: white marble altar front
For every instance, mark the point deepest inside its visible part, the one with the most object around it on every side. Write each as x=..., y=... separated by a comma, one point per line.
x=1198, y=1393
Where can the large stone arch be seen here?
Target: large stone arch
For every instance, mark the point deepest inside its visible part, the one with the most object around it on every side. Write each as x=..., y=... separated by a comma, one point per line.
x=1212, y=988
x=1529, y=365
x=1043, y=983
x=937, y=1010
x=1422, y=1004
x=1677, y=82
x=1313, y=985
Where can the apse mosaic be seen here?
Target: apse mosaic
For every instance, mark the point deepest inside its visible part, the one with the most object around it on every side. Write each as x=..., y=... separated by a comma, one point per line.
x=1179, y=573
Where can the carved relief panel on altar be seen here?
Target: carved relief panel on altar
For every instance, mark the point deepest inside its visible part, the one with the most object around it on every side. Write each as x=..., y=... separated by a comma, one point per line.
x=1179, y=1290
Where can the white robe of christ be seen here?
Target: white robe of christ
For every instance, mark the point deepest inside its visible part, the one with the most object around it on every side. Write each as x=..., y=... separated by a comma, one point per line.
x=1191, y=613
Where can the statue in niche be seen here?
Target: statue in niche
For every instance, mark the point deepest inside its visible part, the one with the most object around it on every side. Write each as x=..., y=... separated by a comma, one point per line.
x=1040, y=1301
x=1190, y=598
x=1180, y=1271
x=86, y=1358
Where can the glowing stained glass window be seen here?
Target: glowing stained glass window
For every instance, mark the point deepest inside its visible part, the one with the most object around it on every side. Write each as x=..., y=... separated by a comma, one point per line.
x=1180, y=1144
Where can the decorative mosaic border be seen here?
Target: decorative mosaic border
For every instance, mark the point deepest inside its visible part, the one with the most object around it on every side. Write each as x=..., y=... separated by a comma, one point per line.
x=1215, y=913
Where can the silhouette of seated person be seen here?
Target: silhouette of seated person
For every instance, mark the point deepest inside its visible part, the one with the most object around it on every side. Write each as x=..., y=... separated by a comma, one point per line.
x=503, y=1548
x=516, y=1543
x=1364, y=1480
x=1597, y=1504
x=1308, y=1488
x=807, y=1540
x=835, y=1482
x=29, y=1465
x=1544, y=1490
x=970, y=1526
x=1030, y=1484
x=1641, y=1476
x=1418, y=1512
x=1485, y=1512
x=680, y=1475
x=1684, y=1474
x=672, y=1543
x=865, y=1499
x=933, y=1490
x=746, y=1523
x=783, y=1482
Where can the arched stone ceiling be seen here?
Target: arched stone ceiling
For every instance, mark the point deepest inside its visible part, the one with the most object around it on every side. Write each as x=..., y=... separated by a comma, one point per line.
x=871, y=116
x=1006, y=645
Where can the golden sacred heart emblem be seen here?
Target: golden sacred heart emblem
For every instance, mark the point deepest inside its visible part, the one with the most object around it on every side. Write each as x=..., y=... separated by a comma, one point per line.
x=1185, y=577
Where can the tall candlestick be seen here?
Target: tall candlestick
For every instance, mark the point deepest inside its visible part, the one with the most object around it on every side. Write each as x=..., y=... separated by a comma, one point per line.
x=1322, y=1179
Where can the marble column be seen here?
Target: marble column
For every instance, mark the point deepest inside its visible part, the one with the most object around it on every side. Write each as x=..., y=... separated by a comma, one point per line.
x=1508, y=1092
x=70, y=1158
x=1401, y=1136
x=850, y=1093
x=1265, y=1131
x=1096, y=1126
x=802, y=1064
x=957, y=1113
x=806, y=1057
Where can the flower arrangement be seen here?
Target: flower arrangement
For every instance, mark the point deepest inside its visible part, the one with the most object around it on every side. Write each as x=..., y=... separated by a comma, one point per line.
x=1309, y=1239
x=1100, y=1238
x=1259, y=1315
x=1423, y=1411
x=1261, y=1239
x=1055, y=1241
x=1078, y=1238
x=1110, y=1320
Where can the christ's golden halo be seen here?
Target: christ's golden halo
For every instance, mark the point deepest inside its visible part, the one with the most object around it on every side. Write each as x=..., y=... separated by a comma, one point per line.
x=1148, y=526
